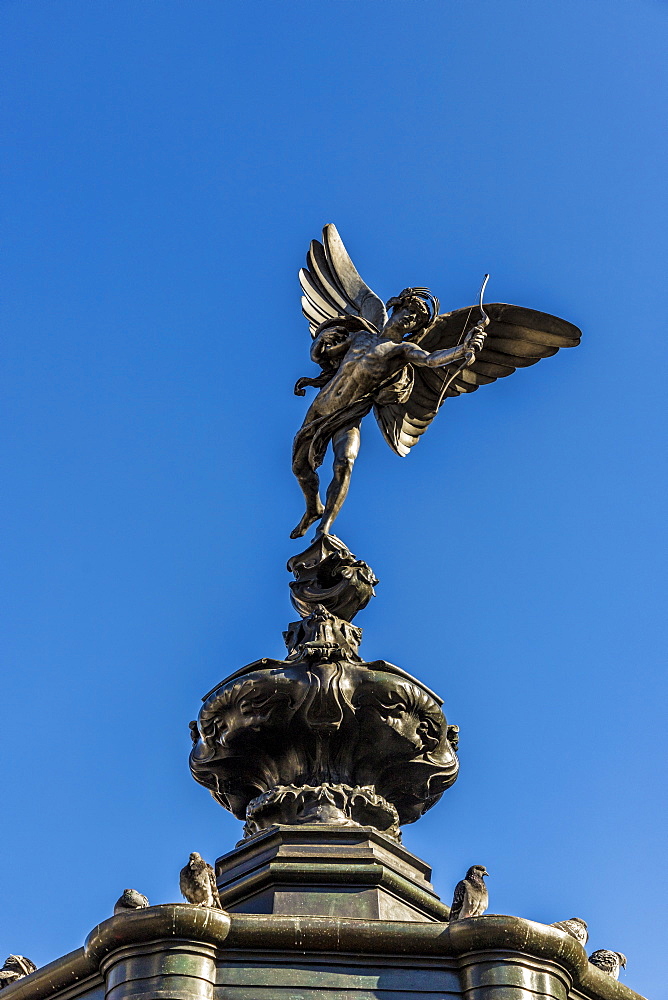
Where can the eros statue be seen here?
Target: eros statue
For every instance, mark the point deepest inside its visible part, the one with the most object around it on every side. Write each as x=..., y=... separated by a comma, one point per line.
x=403, y=366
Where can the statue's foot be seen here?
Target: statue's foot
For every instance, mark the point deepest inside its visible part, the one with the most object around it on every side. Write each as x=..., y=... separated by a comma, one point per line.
x=309, y=517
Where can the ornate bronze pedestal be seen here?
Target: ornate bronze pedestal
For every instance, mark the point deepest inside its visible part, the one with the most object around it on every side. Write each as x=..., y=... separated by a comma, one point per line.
x=323, y=737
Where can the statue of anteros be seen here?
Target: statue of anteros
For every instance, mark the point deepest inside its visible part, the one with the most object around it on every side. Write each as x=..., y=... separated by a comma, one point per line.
x=403, y=366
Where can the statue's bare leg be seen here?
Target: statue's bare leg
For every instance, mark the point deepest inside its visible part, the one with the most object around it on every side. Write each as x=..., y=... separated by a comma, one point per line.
x=310, y=484
x=346, y=445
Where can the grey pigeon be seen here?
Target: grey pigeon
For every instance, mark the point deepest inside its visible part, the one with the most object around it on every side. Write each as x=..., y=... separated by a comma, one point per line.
x=198, y=883
x=130, y=900
x=470, y=898
x=609, y=962
x=576, y=927
x=16, y=967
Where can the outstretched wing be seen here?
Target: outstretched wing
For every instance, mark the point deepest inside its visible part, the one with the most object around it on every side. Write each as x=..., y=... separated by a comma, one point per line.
x=332, y=287
x=516, y=338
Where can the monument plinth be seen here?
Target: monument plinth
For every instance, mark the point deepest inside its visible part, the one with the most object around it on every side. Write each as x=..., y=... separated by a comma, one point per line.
x=327, y=870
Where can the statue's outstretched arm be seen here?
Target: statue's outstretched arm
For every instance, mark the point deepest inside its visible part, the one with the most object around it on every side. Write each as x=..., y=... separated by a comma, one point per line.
x=441, y=359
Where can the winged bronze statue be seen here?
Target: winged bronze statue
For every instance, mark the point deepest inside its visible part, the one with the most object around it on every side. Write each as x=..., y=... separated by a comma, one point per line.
x=403, y=365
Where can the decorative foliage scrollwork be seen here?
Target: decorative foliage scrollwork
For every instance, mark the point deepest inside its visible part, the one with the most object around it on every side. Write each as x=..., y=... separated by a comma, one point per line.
x=291, y=738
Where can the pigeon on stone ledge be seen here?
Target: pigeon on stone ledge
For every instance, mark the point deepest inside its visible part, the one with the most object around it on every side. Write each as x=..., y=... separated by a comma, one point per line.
x=198, y=883
x=609, y=962
x=130, y=900
x=576, y=927
x=16, y=967
x=470, y=898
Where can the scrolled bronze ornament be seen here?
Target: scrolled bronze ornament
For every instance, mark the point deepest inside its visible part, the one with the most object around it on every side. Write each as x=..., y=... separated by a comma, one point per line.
x=322, y=636
x=328, y=574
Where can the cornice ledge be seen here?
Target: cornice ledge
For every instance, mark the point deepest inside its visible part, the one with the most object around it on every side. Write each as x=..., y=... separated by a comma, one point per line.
x=492, y=932
x=501, y=932
x=598, y=984
x=54, y=978
x=157, y=923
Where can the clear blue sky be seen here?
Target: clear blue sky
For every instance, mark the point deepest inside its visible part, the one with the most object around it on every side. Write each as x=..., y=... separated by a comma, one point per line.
x=166, y=164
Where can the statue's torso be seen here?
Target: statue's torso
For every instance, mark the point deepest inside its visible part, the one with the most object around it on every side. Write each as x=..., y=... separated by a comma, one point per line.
x=370, y=360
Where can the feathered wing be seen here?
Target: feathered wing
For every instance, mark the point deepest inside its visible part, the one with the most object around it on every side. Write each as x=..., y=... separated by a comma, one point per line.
x=516, y=338
x=606, y=961
x=332, y=287
x=469, y=901
x=214, y=888
x=576, y=928
x=458, y=900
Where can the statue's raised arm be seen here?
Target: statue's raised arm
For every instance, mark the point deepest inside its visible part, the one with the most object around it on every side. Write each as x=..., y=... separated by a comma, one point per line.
x=403, y=366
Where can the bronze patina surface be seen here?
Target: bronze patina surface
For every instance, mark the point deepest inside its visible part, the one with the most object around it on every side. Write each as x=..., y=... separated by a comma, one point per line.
x=323, y=738
x=403, y=365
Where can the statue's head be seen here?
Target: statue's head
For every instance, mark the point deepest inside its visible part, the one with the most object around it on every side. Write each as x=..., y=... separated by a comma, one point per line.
x=412, y=310
x=332, y=339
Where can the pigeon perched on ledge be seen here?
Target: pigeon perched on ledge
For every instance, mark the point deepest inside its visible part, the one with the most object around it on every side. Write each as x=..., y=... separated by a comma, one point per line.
x=470, y=898
x=130, y=900
x=16, y=967
x=576, y=927
x=609, y=962
x=198, y=883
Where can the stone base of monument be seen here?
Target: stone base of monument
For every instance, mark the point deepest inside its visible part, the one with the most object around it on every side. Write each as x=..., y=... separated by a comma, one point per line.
x=184, y=952
x=313, y=869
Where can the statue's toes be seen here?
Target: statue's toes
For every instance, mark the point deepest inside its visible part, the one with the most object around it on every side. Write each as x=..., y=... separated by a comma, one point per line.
x=301, y=528
x=306, y=522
